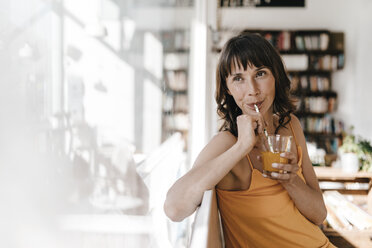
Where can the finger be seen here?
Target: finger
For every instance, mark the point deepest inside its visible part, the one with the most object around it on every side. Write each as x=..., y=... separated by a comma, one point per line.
x=290, y=156
x=280, y=176
x=286, y=167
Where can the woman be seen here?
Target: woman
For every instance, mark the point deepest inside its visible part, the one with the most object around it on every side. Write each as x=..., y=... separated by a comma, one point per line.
x=257, y=209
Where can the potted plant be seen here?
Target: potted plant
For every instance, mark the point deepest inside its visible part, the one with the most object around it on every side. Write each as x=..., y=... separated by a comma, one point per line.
x=355, y=153
x=349, y=154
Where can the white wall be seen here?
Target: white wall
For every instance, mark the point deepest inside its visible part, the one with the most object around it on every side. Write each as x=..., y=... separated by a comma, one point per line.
x=354, y=18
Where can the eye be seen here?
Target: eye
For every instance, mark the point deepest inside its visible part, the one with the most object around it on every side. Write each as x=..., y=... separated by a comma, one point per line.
x=237, y=79
x=261, y=73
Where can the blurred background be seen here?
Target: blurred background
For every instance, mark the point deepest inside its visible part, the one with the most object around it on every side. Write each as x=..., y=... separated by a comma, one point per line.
x=105, y=103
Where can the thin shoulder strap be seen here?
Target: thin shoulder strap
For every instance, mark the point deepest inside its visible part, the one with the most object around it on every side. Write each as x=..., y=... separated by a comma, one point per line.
x=250, y=161
x=299, y=148
x=294, y=135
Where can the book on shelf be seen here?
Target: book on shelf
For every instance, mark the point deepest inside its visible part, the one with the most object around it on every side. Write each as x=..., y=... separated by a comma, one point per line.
x=181, y=103
x=312, y=41
x=175, y=61
x=323, y=41
x=304, y=82
x=325, y=125
x=319, y=104
x=175, y=40
x=323, y=62
x=300, y=43
x=178, y=121
x=167, y=102
x=285, y=40
x=176, y=80
x=296, y=62
x=337, y=41
x=316, y=83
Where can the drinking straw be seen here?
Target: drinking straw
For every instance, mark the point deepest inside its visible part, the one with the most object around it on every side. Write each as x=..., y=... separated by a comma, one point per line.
x=265, y=132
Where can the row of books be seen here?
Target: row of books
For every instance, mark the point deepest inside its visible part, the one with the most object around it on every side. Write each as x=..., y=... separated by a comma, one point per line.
x=281, y=40
x=325, y=124
x=324, y=145
x=317, y=104
x=177, y=122
x=175, y=40
x=312, y=41
x=176, y=61
x=312, y=83
x=302, y=62
x=238, y=3
x=294, y=40
x=176, y=80
x=175, y=103
x=326, y=62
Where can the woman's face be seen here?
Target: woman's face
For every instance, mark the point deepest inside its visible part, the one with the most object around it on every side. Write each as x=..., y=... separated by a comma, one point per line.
x=252, y=86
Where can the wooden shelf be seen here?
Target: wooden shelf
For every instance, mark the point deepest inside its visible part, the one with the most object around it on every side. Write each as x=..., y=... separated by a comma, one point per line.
x=327, y=93
x=323, y=135
x=175, y=112
x=311, y=52
x=302, y=114
x=177, y=50
x=311, y=72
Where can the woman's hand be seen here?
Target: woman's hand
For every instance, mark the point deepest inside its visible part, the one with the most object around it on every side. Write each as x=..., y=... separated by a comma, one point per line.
x=248, y=127
x=288, y=172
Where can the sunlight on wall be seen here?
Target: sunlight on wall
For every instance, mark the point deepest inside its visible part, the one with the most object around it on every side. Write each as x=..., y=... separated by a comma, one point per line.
x=109, y=84
x=109, y=102
x=153, y=55
x=151, y=116
x=82, y=87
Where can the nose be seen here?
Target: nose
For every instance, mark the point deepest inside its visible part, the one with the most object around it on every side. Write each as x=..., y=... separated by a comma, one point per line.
x=253, y=89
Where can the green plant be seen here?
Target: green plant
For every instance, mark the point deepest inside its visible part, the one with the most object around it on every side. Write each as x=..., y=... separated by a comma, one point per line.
x=365, y=155
x=361, y=147
x=349, y=144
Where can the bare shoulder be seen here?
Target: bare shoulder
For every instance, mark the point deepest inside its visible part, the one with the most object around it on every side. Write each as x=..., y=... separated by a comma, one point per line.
x=297, y=128
x=296, y=122
x=220, y=143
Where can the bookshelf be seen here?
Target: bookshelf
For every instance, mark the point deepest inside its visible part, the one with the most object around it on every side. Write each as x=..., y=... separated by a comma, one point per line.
x=310, y=56
x=175, y=114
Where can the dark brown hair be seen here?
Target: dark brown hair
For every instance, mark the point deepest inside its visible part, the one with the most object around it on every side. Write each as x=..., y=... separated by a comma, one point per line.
x=251, y=49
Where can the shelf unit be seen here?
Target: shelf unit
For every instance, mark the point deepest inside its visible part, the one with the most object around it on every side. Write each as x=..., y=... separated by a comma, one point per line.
x=175, y=114
x=310, y=56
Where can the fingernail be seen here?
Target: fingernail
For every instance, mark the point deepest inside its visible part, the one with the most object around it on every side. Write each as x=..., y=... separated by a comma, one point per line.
x=274, y=174
x=264, y=175
x=274, y=165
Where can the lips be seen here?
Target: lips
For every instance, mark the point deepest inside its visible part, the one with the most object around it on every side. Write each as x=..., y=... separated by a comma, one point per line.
x=251, y=105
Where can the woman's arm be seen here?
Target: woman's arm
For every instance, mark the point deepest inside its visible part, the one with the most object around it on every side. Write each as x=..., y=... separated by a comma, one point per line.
x=307, y=196
x=214, y=162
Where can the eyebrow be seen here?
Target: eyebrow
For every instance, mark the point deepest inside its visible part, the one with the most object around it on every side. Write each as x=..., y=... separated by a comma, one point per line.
x=257, y=69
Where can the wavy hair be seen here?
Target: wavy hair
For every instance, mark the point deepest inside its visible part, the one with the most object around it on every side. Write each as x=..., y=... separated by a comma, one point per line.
x=251, y=49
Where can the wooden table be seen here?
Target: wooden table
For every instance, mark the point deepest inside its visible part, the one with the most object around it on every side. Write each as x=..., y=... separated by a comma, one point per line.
x=329, y=174
x=348, y=238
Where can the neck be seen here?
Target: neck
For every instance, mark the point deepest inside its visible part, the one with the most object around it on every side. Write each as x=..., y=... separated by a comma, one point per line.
x=271, y=121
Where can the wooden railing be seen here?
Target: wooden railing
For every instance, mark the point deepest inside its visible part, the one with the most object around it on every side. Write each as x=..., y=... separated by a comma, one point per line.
x=206, y=229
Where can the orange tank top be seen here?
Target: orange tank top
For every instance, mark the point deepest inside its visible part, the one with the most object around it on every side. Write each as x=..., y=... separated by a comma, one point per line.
x=265, y=216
